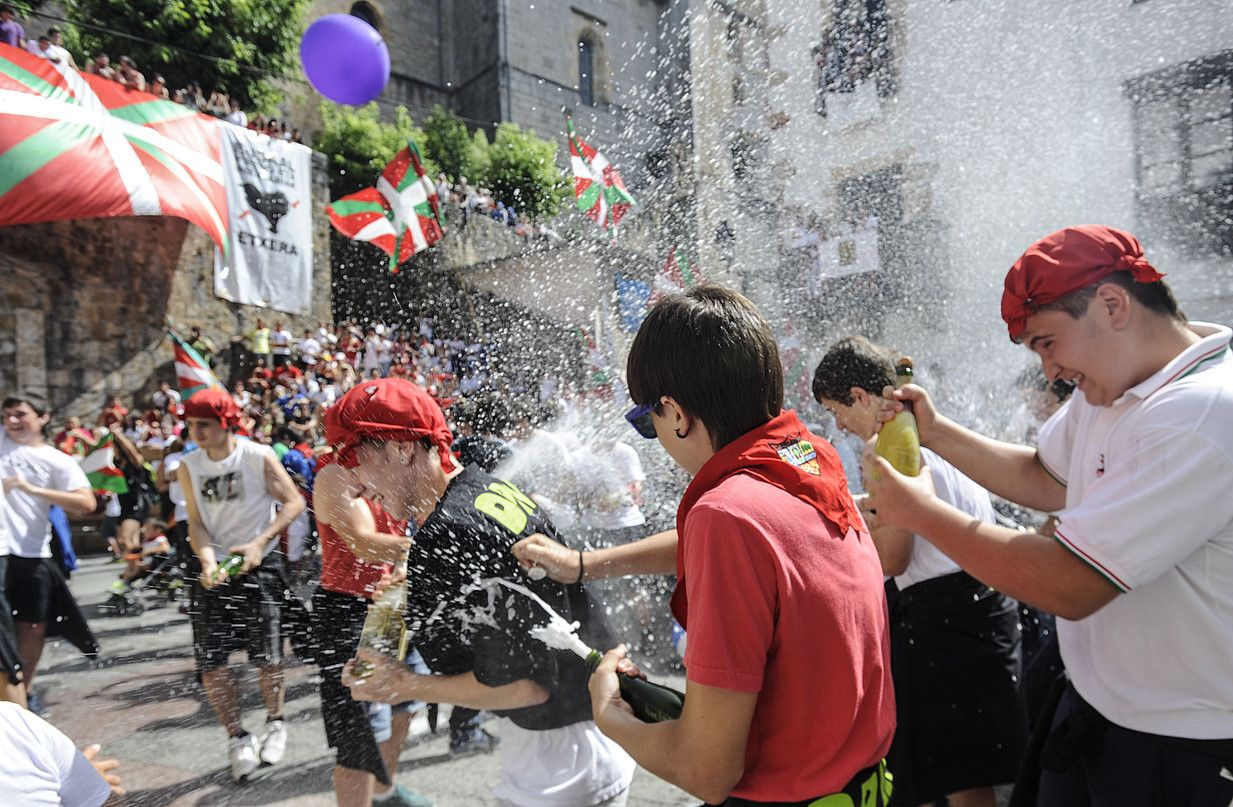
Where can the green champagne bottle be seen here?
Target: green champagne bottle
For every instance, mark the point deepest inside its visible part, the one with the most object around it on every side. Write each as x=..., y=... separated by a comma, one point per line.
x=899, y=441
x=229, y=568
x=385, y=629
x=652, y=703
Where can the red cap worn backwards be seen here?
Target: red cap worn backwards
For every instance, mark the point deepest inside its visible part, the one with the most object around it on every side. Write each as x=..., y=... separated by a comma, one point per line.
x=1066, y=261
x=387, y=409
x=213, y=403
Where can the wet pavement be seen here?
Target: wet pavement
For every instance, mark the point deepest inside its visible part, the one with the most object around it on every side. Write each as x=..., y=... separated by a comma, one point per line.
x=141, y=703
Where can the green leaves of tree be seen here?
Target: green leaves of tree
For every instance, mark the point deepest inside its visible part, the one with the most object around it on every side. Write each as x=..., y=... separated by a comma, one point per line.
x=240, y=47
x=518, y=167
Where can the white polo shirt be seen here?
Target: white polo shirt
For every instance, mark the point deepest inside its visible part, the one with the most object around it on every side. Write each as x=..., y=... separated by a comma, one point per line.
x=1149, y=505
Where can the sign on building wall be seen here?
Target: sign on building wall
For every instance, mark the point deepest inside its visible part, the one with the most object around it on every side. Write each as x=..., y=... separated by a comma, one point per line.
x=268, y=261
x=853, y=252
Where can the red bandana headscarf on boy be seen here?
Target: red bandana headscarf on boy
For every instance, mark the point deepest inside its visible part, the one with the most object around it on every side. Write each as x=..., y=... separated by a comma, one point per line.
x=1066, y=261
x=780, y=452
x=393, y=409
x=213, y=404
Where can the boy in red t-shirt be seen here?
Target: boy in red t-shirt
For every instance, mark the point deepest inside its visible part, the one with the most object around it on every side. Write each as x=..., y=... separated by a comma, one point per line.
x=789, y=697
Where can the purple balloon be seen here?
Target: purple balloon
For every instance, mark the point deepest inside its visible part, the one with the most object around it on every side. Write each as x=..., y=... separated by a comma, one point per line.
x=345, y=59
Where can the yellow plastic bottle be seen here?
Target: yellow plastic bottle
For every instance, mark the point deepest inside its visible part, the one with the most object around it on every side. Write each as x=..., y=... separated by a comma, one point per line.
x=899, y=441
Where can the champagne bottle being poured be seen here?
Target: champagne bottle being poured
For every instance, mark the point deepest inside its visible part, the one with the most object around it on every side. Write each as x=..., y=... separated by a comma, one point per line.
x=899, y=441
x=652, y=703
x=385, y=629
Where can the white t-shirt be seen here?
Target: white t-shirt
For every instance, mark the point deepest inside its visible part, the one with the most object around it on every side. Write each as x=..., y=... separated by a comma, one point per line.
x=565, y=767
x=1149, y=506
x=41, y=766
x=605, y=474
x=231, y=495
x=6, y=539
x=165, y=400
x=238, y=117
x=310, y=348
x=171, y=464
x=372, y=347
x=44, y=467
x=957, y=490
x=280, y=342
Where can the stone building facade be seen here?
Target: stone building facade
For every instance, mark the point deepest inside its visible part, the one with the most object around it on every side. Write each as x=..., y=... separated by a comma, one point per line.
x=938, y=139
x=491, y=61
x=85, y=305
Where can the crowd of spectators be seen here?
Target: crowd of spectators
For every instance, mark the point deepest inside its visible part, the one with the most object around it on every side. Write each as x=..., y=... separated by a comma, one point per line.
x=478, y=201
x=283, y=382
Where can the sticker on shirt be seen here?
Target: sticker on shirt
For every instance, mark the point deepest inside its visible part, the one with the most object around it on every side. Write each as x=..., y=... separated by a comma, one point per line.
x=225, y=488
x=801, y=454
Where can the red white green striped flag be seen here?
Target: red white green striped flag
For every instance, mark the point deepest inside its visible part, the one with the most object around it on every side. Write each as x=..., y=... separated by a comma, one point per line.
x=193, y=373
x=678, y=273
x=401, y=216
x=98, y=463
x=77, y=146
x=599, y=190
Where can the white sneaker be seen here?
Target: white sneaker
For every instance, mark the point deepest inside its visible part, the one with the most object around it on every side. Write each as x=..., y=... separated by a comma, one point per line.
x=274, y=742
x=243, y=754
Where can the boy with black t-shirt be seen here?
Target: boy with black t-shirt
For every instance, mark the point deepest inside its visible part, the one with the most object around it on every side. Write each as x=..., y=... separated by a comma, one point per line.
x=477, y=638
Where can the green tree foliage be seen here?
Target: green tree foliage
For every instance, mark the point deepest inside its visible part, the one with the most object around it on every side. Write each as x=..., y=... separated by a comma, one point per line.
x=452, y=148
x=247, y=45
x=358, y=145
x=518, y=167
x=522, y=171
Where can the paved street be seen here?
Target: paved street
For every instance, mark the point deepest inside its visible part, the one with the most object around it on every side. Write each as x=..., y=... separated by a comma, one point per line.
x=142, y=704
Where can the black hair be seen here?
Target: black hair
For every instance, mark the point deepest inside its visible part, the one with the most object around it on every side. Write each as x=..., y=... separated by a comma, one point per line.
x=711, y=350
x=853, y=361
x=32, y=399
x=1156, y=297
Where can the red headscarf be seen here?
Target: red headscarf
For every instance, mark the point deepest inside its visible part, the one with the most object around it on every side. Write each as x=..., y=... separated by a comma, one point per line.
x=213, y=403
x=387, y=409
x=780, y=452
x=1066, y=261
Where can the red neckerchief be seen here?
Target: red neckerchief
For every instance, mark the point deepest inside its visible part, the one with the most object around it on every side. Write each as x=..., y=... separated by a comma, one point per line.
x=783, y=453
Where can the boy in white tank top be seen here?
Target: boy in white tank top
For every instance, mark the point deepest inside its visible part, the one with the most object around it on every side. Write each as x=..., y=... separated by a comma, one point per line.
x=239, y=500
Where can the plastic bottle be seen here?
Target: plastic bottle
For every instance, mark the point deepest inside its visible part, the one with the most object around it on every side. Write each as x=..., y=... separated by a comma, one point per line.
x=899, y=441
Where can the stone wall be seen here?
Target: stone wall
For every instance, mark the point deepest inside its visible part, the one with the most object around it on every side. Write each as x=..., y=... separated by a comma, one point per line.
x=84, y=305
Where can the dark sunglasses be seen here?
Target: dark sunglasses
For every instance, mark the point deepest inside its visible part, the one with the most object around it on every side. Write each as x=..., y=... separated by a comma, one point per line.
x=640, y=418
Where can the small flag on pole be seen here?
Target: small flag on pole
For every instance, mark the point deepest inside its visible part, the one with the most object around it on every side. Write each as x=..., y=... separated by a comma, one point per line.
x=100, y=469
x=599, y=190
x=678, y=273
x=192, y=372
x=401, y=216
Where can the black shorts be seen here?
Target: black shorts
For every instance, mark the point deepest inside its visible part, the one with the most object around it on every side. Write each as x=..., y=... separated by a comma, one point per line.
x=133, y=507
x=10, y=661
x=337, y=620
x=956, y=665
x=1096, y=762
x=29, y=584
x=242, y=614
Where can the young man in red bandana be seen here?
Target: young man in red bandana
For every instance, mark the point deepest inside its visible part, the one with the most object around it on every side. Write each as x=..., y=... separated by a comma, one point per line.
x=788, y=696
x=478, y=644
x=239, y=500
x=1139, y=467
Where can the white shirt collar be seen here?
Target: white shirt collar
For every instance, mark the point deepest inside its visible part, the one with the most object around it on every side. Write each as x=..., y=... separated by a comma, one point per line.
x=1213, y=341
